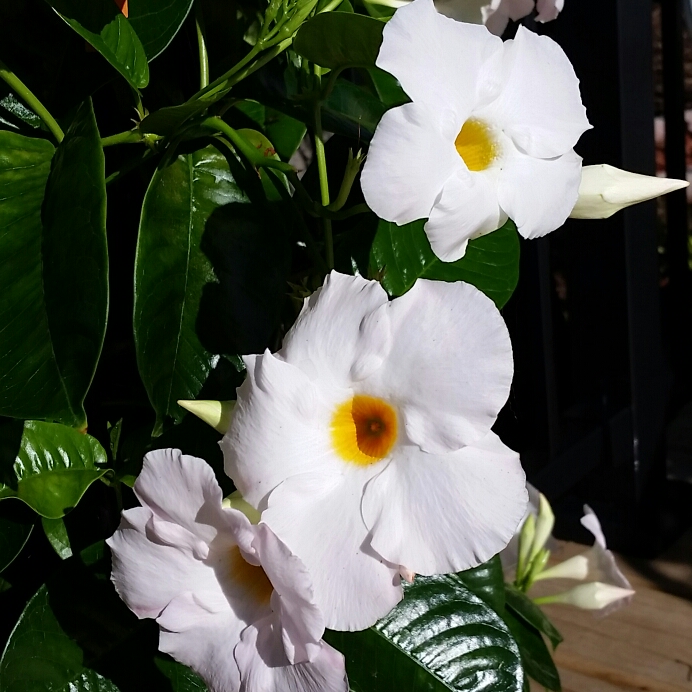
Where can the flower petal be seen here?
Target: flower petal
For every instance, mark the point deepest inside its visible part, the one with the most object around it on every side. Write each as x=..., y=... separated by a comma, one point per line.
x=181, y=489
x=450, y=367
x=548, y=9
x=336, y=351
x=263, y=664
x=439, y=514
x=301, y=622
x=147, y=573
x=467, y=208
x=539, y=105
x=411, y=156
x=437, y=60
x=280, y=428
x=202, y=640
x=539, y=194
x=319, y=519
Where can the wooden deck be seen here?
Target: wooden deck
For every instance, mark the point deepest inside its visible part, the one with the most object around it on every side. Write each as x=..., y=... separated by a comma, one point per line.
x=646, y=646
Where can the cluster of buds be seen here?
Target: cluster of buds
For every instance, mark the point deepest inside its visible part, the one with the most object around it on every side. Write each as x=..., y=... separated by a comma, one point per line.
x=604, y=587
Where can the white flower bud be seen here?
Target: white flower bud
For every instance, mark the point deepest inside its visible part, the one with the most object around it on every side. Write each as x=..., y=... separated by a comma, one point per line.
x=544, y=526
x=605, y=190
x=576, y=567
x=592, y=596
x=218, y=414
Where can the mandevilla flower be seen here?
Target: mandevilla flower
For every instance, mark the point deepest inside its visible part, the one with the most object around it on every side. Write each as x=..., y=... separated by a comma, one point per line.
x=489, y=133
x=232, y=602
x=365, y=441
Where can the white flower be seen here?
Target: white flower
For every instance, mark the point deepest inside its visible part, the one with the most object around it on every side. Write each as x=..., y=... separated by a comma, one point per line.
x=232, y=602
x=366, y=440
x=497, y=14
x=592, y=596
x=489, y=133
x=605, y=190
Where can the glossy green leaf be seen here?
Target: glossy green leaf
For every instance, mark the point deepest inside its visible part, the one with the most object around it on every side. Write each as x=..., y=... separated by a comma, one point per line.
x=55, y=289
x=166, y=121
x=53, y=469
x=171, y=273
x=526, y=609
x=103, y=25
x=535, y=657
x=76, y=635
x=388, y=88
x=340, y=39
x=440, y=637
x=402, y=254
x=56, y=533
x=353, y=104
x=157, y=22
x=13, y=537
x=487, y=581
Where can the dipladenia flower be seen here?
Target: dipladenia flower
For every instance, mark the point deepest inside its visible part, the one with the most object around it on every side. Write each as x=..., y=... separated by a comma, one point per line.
x=366, y=440
x=231, y=600
x=489, y=133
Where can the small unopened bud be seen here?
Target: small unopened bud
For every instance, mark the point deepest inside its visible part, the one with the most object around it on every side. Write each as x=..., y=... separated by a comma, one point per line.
x=544, y=527
x=218, y=414
x=236, y=501
x=592, y=596
x=576, y=567
x=605, y=190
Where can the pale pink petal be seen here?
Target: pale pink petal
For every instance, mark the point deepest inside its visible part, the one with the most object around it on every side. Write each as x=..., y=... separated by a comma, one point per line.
x=410, y=157
x=439, y=514
x=467, y=208
x=539, y=194
x=450, y=367
x=548, y=9
x=264, y=667
x=539, y=106
x=319, y=519
x=437, y=60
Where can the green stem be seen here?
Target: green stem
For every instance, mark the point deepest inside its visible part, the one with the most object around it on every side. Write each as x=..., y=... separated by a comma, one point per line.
x=221, y=81
x=128, y=137
x=30, y=99
x=352, y=168
x=324, y=185
x=202, y=46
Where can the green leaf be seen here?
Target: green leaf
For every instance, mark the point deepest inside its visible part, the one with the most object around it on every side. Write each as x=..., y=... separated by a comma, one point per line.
x=53, y=469
x=285, y=132
x=402, y=254
x=171, y=273
x=106, y=28
x=56, y=533
x=157, y=22
x=13, y=537
x=440, y=637
x=181, y=677
x=166, y=121
x=527, y=610
x=488, y=582
x=55, y=289
x=388, y=88
x=535, y=657
x=339, y=39
x=358, y=107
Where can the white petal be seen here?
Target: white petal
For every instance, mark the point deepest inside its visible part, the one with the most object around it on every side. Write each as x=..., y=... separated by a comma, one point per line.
x=411, y=156
x=467, y=208
x=147, y=573
x=539, y=105
x=264, y=667
x=280, y=428
x=319, y=519
x=590, y=522
x=339, y=335
x=539, y=194
x=301, y=622
x=206, y=645
x=450, y=367
x=438, y=61
x=180, y=489
x=548, y=9
x=438, y=514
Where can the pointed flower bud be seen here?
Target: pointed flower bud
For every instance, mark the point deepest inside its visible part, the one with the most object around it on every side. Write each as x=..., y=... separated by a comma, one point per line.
x=592, y=596
x=218, y=414
x=544, y=526
x=605, y=190
x=576, y=567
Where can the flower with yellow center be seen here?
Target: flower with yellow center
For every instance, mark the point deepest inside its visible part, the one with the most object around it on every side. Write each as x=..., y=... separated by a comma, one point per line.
x=232, y=601
x=365, y=441
x=488, y=135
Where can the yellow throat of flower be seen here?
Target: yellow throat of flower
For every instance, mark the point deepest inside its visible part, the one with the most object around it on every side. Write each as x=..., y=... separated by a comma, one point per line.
x=251, y=578
x=364, y=429
x=476, y=145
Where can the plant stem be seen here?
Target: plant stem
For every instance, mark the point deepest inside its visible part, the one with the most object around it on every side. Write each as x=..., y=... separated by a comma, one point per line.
x=212, y=87
x=324, y=185
x=127, y=137
x=30, y=99
x=202, y=46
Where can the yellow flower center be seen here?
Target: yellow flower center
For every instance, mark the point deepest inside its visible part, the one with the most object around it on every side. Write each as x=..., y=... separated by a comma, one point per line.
x=476, y=145
x=364, y=429
x=251, y=578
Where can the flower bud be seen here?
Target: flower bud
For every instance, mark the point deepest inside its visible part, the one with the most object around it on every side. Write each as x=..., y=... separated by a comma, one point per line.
x=544, y=527
x=592, y=596
x=236, y=501
x=218, y=414
x=576, y=567
x=605, y=190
